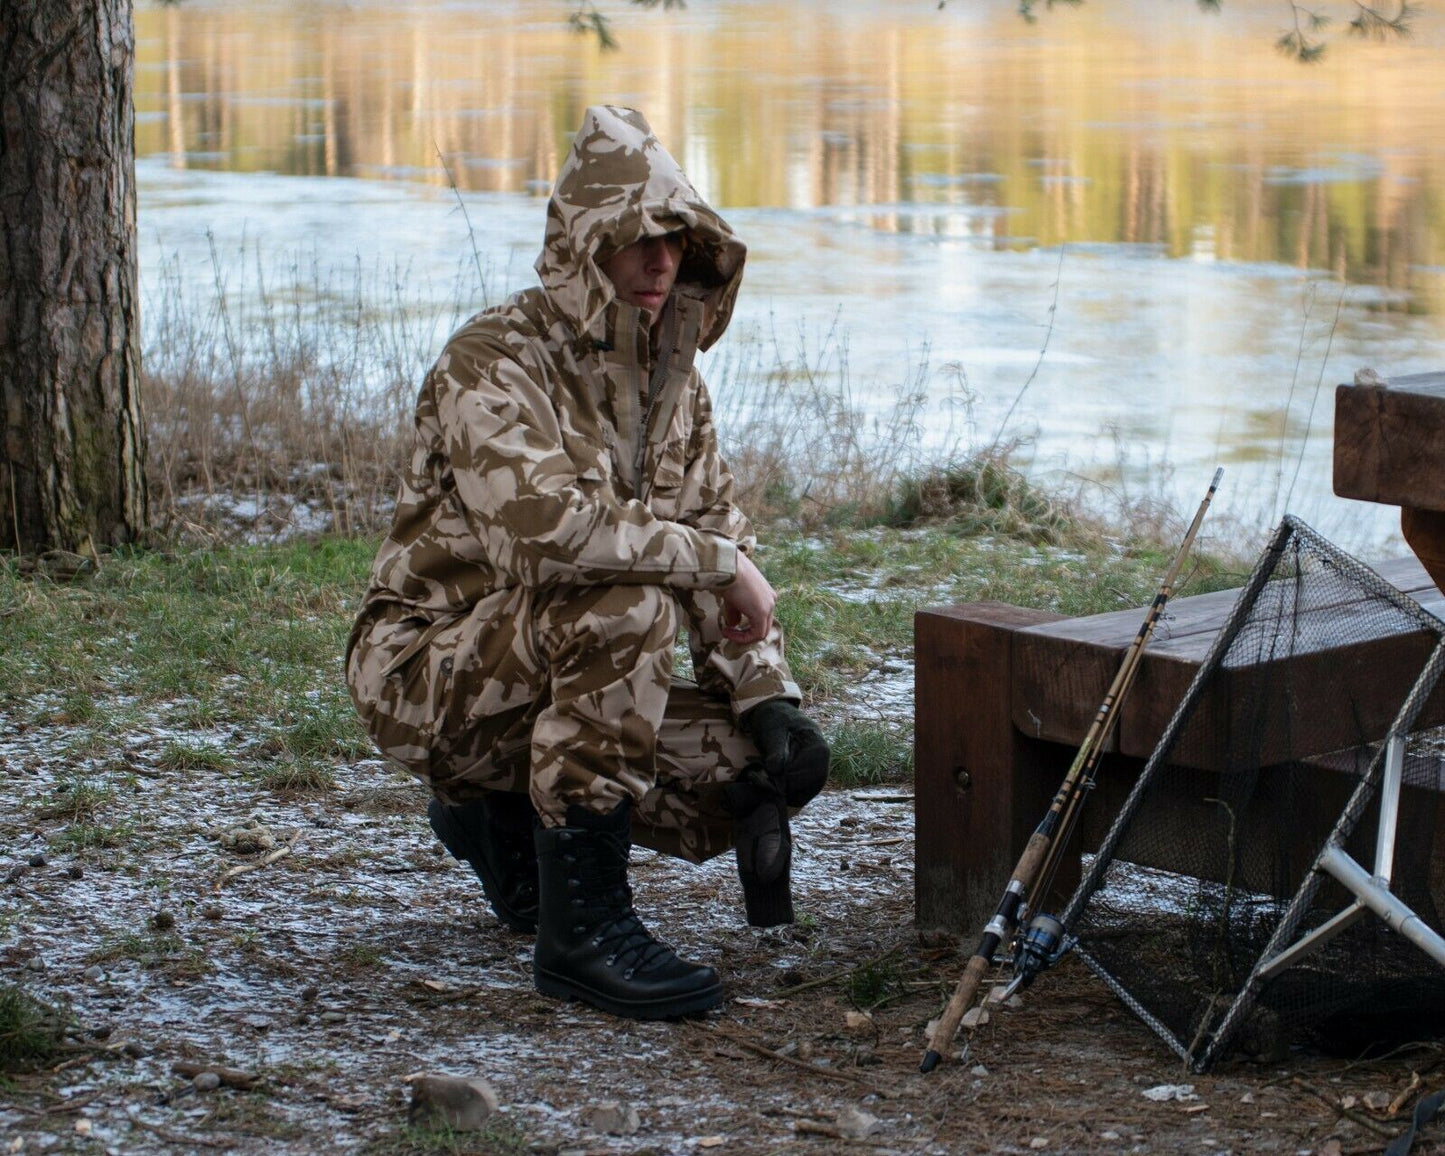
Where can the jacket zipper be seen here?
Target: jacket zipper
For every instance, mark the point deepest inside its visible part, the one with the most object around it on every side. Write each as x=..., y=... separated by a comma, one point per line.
x=654, y=388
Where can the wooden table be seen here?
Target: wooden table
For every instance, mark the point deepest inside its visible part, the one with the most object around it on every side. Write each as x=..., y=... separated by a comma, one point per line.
x=1003, y=696
x=1390, y=448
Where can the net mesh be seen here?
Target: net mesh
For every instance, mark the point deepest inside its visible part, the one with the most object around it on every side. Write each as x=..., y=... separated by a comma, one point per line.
x=1277, y=745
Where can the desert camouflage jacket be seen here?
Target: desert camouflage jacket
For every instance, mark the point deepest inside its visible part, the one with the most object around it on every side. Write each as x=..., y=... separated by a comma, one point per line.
x=554, y=447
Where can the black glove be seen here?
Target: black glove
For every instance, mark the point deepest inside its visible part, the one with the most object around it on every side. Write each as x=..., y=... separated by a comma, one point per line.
x=794, y=751
x=764, y=846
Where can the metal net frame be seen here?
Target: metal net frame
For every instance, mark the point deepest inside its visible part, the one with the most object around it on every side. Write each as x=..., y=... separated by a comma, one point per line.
x=1227, y=905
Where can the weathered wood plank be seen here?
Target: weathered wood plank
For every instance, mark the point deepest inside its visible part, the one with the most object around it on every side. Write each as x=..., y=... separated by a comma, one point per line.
x=1061, y=671
x=1390, y=442
x=1204, y=614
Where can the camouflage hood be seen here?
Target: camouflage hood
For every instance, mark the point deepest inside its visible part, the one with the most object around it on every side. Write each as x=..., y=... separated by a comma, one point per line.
x=619, y=185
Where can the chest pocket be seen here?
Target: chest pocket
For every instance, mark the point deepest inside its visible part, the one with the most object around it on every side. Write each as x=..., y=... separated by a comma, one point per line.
x=665, y=496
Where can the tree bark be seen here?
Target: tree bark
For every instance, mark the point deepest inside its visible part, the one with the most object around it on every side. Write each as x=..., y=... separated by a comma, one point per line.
x=72, y=453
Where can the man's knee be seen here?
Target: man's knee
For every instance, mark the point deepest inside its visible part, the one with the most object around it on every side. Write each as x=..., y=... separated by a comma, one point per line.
x=621, y=619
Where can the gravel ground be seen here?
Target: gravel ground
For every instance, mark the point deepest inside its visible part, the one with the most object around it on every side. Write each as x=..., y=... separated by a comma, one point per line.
x=363, y=955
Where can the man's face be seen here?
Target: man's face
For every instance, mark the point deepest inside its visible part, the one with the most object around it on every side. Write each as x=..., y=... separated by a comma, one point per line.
x=643, y=272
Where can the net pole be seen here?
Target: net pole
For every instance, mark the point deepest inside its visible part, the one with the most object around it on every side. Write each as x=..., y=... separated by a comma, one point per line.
x=1263, y=570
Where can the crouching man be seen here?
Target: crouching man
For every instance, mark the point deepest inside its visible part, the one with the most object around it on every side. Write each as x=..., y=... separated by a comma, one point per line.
x=565, y=515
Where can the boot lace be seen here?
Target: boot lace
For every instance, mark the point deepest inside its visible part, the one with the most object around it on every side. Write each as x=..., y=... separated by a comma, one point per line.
x=599, y=881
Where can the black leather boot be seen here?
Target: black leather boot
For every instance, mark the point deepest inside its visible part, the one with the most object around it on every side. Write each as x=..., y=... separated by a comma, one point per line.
x=590, y=943
x=494, y=834
x=764, y=844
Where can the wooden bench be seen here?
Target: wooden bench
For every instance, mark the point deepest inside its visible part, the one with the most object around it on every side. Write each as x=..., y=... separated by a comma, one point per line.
x=1004, y=695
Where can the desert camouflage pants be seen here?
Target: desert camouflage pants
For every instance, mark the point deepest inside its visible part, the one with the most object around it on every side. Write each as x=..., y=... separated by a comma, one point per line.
x=565, y=692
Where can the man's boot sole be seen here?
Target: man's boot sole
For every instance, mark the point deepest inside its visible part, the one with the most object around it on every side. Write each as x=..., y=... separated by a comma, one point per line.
x=445, y=827
x=673, y=1007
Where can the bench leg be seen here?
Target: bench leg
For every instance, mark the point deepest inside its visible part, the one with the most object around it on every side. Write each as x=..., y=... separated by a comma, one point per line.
x=981, y=787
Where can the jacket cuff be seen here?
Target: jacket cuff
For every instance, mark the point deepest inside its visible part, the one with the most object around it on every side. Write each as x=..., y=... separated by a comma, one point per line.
x=726, y=565
x=764, y=688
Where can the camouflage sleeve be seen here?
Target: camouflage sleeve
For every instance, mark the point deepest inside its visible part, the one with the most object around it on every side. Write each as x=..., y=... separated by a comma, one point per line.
x=538, y=519
x=750, y=673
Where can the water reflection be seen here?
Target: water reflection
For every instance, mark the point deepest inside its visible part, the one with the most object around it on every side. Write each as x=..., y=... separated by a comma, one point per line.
x=1157, y=126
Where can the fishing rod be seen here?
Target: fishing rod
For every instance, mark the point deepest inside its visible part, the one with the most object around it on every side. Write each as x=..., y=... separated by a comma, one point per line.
x=1042, y=853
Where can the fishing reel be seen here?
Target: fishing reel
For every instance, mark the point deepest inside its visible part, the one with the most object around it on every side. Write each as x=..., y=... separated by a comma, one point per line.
x=1040, y=945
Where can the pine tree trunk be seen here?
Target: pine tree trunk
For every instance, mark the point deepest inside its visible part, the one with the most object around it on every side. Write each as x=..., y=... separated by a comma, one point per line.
x=72, y=453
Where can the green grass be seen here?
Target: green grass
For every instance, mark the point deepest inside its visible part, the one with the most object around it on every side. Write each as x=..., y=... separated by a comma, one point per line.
x=360, y=955
x=193, y=755
x=89, y=836
x=76, y=799
x=153, y=950
x=292, y=776
x=240, y=648
x=31, y=1031
x=868, y=753
x=871, y=983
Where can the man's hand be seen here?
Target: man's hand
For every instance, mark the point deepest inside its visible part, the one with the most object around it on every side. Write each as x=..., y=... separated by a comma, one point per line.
x=747, y=610
x=794, y=751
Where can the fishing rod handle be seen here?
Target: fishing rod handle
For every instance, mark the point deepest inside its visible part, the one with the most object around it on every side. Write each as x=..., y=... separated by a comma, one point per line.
x=968, y=985
x=999, y=929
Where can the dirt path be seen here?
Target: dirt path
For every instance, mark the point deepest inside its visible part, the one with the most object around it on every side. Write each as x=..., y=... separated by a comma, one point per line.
x=362, y=955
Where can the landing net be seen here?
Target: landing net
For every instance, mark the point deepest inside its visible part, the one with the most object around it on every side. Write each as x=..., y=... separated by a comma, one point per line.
x=1211, y=868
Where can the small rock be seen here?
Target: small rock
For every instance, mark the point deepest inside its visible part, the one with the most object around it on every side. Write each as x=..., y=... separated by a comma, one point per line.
x=163, y=920
x=38, y=859
x=856, y=1124
x=248, y=839
x=1348, y=1102
x=101, y=1032
x=460, y=1102
x=1109, y=1135
x=1377, y=1101
x=332, y=1017
x=975, y=1017
x=206, y=1081
x=212, y=911
x=1332, y=1147
x=711, y=1141
x=83, y=1127
x=1248, y=1098
x=858, y=1021
x=15, y=873
x=1369, y=377
x=1163, y=1092
x=613, y=1118
x=309, y=993
x=35, y=963
x=979, y=1070
x=1038, y=1143
x=76, y=871
x=94, y=973
x=136, y=1051
x=789, y=1049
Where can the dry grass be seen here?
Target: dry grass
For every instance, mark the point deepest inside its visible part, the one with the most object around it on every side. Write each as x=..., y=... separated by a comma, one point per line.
x=272, y=413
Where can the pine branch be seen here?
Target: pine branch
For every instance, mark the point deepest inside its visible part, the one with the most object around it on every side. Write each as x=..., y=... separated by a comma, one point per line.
x=1026, y=7
x=587, y=20
x=1372, y=23
x=1296, y=42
